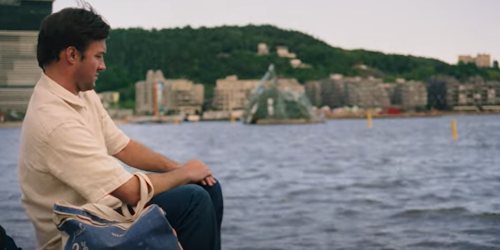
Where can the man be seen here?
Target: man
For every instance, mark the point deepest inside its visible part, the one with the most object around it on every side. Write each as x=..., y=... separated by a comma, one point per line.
x=68, y=142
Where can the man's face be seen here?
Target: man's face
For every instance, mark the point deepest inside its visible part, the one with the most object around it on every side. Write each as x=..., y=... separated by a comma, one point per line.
x=87, y=70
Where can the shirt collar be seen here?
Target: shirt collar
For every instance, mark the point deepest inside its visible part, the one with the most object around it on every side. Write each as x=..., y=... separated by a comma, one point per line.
x=60, y=91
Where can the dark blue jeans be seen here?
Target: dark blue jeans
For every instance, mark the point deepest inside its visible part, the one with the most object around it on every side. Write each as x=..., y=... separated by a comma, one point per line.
x=195, y=212
x=6, y=242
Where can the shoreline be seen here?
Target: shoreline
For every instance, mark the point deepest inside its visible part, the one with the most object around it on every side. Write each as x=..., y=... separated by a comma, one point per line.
x=10, y=124
x=15, y=124
x=407, y=115
x=363, y=115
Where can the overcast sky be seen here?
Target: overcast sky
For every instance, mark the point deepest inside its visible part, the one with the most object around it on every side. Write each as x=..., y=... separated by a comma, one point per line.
x=440, y=29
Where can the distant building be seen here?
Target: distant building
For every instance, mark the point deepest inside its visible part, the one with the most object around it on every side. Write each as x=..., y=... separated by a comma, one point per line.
x=442, y=92
x=466, y=59
x=410, y=95
x=327, y=92
x=365, y=92
x=391, y=88
x=19, y=71
x=282, y=51
x=338, y=91
x=482, y=60
x=491, y=93
x=183, y=96
x=313, y=92
x=474, y=94
x=173, y=95
x=232, y=94
x=291, y=84
x=361, y=66
x=295, y=63
x=262, y=49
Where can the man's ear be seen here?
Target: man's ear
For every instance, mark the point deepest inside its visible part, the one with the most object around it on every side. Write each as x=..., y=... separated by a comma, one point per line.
x=72, y=55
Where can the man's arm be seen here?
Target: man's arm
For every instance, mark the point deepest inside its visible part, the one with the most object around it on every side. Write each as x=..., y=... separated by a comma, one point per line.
x=138, y=156
x=192, y=171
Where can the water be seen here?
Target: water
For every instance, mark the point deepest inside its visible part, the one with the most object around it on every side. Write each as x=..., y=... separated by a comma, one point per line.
x=404, y=184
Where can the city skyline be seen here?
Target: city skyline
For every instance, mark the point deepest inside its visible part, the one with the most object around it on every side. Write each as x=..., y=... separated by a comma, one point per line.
x=441, y=29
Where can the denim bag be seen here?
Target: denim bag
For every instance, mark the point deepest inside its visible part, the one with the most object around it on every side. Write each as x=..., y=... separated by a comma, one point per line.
x=96, y=226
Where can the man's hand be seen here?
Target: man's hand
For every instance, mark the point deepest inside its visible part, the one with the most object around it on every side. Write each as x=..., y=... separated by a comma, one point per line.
x=196, y=171
x=208, y=181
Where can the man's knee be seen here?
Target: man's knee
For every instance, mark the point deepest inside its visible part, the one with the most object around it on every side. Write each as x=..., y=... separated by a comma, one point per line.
x=217, y=186
x=214, y=190
x=196, y=192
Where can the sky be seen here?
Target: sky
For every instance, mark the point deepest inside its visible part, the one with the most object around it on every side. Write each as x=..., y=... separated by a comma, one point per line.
x=440, y=29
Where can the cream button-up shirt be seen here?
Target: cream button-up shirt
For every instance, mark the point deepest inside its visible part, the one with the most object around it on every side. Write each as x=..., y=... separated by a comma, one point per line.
x=66, y=147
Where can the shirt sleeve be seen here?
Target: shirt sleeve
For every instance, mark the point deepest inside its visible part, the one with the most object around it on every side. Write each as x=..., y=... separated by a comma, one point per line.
x=76, y=158
x=115, y=139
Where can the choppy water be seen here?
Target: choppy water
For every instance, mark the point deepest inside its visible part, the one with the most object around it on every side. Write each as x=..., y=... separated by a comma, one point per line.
x=404, y=184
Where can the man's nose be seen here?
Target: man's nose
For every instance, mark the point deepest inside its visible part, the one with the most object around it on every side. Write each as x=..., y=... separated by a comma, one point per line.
x=102, y=66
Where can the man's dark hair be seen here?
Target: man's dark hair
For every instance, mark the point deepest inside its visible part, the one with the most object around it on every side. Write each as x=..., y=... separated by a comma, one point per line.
x=76, y=27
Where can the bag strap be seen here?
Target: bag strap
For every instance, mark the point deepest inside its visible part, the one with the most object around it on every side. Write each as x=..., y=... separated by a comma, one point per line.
x=146, y=192
x=146, y=196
